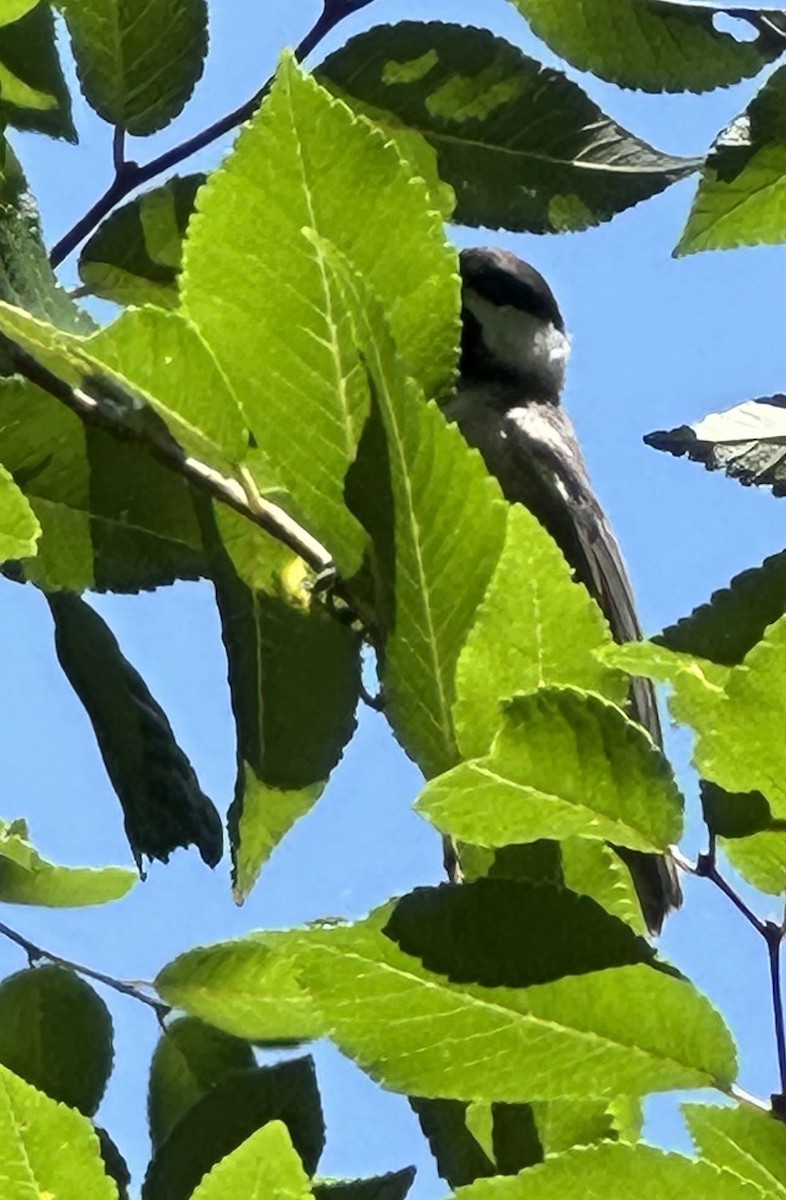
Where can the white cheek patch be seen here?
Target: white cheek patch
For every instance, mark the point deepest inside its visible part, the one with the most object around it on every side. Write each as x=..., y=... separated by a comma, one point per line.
x=520, y=342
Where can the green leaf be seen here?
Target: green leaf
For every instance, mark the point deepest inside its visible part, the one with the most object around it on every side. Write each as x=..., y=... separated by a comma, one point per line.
x=56, y=1033
x=155, y=368
x=33, y=92
x=615, y=1173
x=392, y=1186
x=137, y=63
x=164, y=355
x=740, y=197
x=734, y=618
x=232, y=1111
x=294, y=678
x=265, y=1165
x=565, y=764
x=305, y=161
x=522, y=146
x=658, y=47
x=163, y=805
x=191, y=1058
x=436, y=551
x=617, y=1029
x=26, y=878
x=134, y=256
x=111, y=517
x=745, y=441
x=750, y=1143
x=549, y=625
x=26, y=278
x=248, y=988
x=47, y=1149
x=733, y=710
x=12, y=10
x=760, y=859
x=19, y=529
x=595, y=869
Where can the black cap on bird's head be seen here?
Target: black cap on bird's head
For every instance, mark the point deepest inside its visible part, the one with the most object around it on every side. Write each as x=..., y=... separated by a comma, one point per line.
x=512, y=328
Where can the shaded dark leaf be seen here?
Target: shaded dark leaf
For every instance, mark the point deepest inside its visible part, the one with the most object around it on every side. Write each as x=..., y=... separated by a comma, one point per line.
x=459, y=1156
x=56, y=1033
x=734, y=814
x=506, y=933
x=522, y=146
x=115, y=1165
x=191, y=1058
x=162, y=802
x=393, y=1186
x=243, y=1102
x=34, y=93
x=294, y=678
x=134, y=255
x=734, y=619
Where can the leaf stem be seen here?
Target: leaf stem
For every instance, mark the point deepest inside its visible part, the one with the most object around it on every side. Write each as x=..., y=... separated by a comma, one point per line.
x=36, y=953
x=130, y=175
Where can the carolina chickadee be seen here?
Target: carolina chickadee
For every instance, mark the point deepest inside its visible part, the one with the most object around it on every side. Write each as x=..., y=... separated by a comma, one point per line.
x=514, y=352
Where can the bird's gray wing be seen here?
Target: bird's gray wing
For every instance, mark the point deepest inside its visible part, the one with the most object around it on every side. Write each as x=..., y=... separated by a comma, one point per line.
x=548, y=474
x=545, y=471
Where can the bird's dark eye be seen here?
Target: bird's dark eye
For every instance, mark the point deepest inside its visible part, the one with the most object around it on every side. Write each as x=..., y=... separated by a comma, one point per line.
x=473, y=348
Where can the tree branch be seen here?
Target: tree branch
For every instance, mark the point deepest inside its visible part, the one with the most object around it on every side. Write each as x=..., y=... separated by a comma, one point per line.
x=706, y=866
x=774, y=937
x=108, y=411
x=37, y=953
x=130, y=175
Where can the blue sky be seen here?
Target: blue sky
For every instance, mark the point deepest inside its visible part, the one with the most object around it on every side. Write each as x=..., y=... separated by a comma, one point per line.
x=657, y=342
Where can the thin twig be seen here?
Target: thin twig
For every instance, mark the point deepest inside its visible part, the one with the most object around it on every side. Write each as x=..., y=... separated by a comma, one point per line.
x=119, y=149
x=129, y=176
x=774, y=937
x=106, y=413
x=706, y=866
x=37, y=953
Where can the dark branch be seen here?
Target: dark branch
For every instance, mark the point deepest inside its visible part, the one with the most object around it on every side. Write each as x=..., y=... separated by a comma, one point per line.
x=774, y=935
x=37, y=954
x=706, y=866
x=129, y=176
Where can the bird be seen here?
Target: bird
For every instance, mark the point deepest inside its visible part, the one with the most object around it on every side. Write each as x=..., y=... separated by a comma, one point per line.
x=508, y=405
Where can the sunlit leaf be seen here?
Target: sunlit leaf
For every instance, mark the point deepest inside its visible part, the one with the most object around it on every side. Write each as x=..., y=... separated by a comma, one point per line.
x=47, y=1149
x=305, y=161
x=659, y=47
x=616, y=1173
x=740, y=199
x=265, y=1164
x=565, y=764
